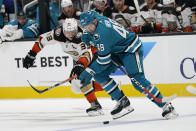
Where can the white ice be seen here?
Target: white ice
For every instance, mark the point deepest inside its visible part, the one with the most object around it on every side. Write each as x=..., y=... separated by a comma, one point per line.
x=69, y=115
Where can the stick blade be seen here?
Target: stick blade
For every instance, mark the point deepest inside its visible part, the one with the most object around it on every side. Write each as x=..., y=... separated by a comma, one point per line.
x=38, y=91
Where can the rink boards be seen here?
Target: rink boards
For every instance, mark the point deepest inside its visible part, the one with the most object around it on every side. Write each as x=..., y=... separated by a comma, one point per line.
x=169, y=63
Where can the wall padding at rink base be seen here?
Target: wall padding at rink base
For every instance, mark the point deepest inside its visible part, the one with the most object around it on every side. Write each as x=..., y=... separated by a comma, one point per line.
x=65, y=91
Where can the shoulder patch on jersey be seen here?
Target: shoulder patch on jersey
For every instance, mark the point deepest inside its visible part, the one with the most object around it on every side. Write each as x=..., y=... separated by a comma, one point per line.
x=131, y=8
x=96, y=36
x=58, y=31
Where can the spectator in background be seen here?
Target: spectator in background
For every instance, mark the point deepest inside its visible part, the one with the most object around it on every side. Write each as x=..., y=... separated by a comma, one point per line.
x=2, y=11
x=152, y=22
x=126, y=2
x=103, y=8
x=176, y=19
x=124, y=14
x=9, y=8
x=54, y=13
x=68, y=11
x=185, y=13
x=193, y=15
x=22, y=27
x=171, y=21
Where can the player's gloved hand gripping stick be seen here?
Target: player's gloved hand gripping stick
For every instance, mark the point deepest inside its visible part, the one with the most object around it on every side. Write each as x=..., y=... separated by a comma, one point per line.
x=165, y=99
x=57, y=84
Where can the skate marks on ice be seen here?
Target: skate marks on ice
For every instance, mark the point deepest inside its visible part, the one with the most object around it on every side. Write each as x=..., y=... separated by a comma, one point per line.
x=76, y=121
x=127, y=120
x=70, y=115
x=44, y=116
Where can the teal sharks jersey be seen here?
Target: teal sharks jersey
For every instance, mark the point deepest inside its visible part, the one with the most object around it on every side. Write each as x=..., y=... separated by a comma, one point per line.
x=111, y=38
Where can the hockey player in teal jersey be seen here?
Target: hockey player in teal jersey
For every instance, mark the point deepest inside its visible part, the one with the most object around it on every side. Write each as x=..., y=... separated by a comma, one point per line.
x=115, y=43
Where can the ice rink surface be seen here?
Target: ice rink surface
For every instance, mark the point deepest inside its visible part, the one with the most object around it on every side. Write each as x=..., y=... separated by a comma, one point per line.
x=69, y=115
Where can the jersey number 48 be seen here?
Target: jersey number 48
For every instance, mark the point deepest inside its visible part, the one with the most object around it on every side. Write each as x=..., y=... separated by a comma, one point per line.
x=119, y=28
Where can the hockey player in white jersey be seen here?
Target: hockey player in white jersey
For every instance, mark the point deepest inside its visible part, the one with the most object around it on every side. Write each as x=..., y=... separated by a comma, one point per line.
x=68, y=36
x=103, y=8
x=193, y=16
x=125, y=15
x=176, y=19
x=152, y=22
x=68, y=11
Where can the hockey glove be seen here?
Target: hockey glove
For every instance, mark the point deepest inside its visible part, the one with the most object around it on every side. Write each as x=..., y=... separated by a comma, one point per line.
x=147, y=28
x=77, y=69
x=86, y=76
x=29, y=59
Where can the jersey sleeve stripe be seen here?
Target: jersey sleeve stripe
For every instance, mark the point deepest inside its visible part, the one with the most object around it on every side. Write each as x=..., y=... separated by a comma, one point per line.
x=135, y=48
x=132, y=44
x=103, y=63
x=104, y=60
x=104, y=57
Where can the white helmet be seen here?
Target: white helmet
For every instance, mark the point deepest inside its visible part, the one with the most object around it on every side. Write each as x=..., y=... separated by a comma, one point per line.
x=105, y=1
x=167, y=2
x=70, y=24
x=66, y=3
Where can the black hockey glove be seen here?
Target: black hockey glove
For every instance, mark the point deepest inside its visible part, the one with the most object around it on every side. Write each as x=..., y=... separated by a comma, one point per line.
x=77, y=69
x=29, y=59
x=147, y=28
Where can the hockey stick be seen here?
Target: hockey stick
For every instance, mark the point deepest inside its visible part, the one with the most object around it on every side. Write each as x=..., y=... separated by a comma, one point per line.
x=165, y=99
x=60, y=83
x=138, y=10
x=139, y=13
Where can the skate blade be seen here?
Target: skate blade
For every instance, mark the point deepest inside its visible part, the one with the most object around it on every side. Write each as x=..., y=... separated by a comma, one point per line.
x=171, y=116
x=95, y=113
x=125, y=112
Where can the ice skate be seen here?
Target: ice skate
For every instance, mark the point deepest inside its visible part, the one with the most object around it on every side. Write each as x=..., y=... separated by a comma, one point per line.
x=122, y=108
x=95, y=109
x=169, y=112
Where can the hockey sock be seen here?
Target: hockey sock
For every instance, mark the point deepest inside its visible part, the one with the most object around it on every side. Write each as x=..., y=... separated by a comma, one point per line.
x=112, y=89
x=151, y=88
x=91, y=97
x=156, y=93
x=97, y=86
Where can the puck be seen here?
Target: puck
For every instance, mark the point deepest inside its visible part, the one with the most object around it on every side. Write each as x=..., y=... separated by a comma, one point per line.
x=106, y=122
